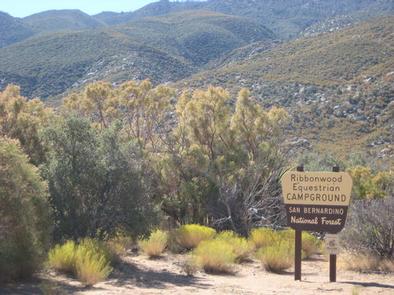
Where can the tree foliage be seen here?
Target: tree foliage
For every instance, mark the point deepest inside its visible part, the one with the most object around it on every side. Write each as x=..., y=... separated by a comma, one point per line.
x=24, y=119
x=24, y=216
x=223, y=158
x=94, y=181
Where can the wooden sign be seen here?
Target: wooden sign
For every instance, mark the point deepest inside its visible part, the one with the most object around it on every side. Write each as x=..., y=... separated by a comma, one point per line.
x=316, y=201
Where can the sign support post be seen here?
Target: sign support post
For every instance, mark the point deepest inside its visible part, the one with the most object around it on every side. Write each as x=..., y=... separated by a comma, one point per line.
x=298, y=246
x=333, y=257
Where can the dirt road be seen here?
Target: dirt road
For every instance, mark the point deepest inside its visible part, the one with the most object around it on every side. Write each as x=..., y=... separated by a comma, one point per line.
x=140, y=275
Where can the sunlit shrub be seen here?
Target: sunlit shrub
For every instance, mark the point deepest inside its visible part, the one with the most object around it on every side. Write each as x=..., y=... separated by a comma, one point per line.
x=92, y=263
x=190, y=235
x=215, y=256
x=89, y=261
x=262, y=237
x=277, y=257
x=62, y=257
x=241, y=246
x=155, y=245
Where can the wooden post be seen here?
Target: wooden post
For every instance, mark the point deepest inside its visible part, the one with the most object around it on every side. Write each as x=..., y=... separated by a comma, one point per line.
x=298, y=246
x=333, y=257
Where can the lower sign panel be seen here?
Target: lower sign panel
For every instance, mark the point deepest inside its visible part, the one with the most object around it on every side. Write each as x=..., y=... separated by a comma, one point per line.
x=320, y=218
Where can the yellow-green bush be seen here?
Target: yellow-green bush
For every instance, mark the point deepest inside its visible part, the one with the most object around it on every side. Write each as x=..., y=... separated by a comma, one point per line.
x=190, y=235
x=286, y=235
x=263, y=237
x=215, y=256
x=155, y=245
x=241, y=246
x=62, y=257
x=89, y=261
x=92, y=262
x=277, y=257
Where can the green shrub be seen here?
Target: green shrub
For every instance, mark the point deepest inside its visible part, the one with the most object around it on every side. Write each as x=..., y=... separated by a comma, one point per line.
x=215, y=256
x=190, y=235
x=277, y=257
x=89, y=261
x=62, y=257
x=24, y=216
x=155, y=245
x=241, y=246
x=263, y=237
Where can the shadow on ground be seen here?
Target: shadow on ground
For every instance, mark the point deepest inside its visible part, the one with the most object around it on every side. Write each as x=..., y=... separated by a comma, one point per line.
x=45, y=286
x=128, y=274
x=370, y=284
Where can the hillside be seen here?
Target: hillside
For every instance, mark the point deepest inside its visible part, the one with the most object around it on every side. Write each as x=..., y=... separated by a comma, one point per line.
x=198, y=36
x=287, y=18
x=12, y=30
x=162, y=49
x=61, y=20
x=153, y=9
x=337, y=84
x=61, y=60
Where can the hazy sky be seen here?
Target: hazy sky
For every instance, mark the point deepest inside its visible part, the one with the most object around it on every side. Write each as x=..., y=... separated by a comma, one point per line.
x=21, y=8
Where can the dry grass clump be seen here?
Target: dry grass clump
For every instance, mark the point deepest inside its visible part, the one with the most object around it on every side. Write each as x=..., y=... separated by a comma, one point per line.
x=62, y=257
x=155, y=245
x=190, y=266
x=365, y=263
x=190, y=235
x=262, y=237
x=92, y=262
x=310, y=245
x=118, y=245
x=215, y=256
x=89, y=260
x=277, y=257
x=242, y=248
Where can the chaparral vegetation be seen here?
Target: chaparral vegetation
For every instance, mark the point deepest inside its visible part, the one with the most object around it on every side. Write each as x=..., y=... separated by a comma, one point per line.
x=163, y=134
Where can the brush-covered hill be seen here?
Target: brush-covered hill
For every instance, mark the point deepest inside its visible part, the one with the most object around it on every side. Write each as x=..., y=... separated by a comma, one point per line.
x=12, y=30
x=287, y=18
x=61, y=20
x=198, y=36
x=336, y=85
x=162, y=49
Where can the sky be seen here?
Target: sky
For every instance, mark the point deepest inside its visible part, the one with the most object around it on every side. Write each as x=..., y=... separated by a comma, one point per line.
x=21, y=8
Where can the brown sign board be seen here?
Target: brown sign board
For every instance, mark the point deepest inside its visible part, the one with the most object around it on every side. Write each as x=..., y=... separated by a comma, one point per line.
x=316, y=201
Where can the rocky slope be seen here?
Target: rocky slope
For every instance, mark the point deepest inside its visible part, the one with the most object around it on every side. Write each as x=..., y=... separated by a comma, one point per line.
x=338, y=86
x=162, y=49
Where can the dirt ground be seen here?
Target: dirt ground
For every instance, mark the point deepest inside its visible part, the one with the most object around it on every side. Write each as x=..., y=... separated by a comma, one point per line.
x=140, y=275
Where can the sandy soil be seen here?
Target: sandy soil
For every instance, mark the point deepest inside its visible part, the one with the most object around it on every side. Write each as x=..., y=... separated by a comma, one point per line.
x=140, y=275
